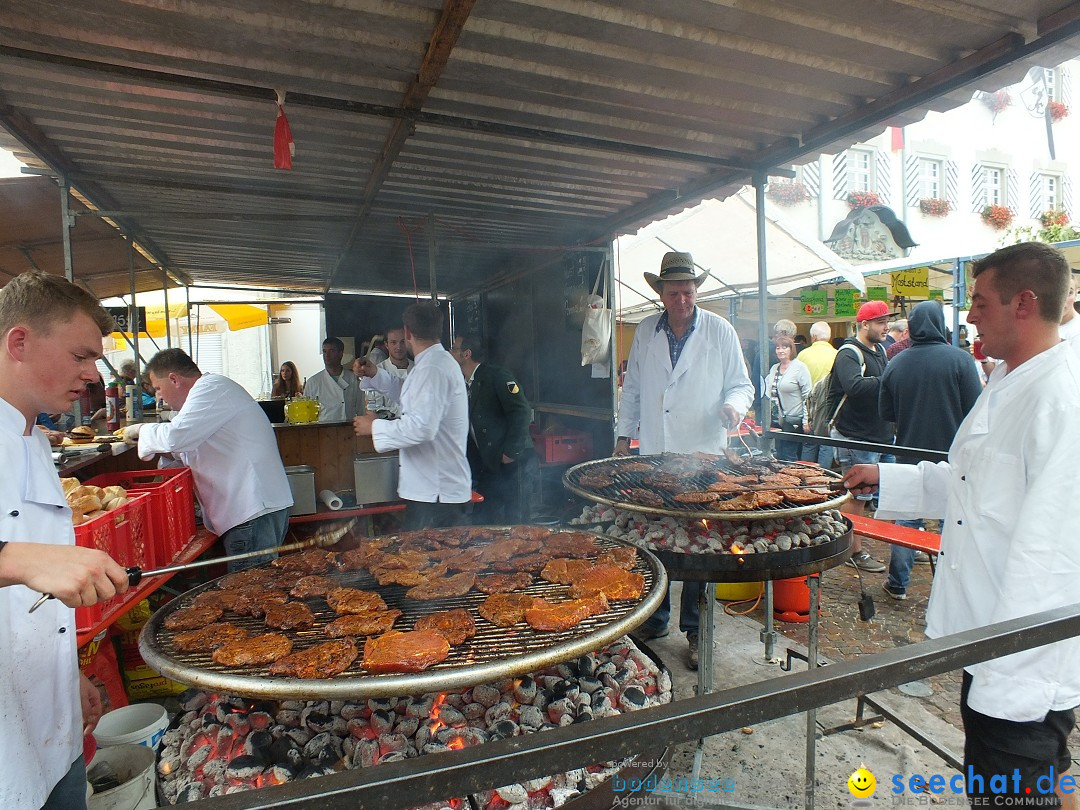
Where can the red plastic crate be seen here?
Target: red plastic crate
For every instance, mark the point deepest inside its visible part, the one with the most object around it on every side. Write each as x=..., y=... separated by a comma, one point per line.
x=171, y=508
x=124, y=535
x=571, y=447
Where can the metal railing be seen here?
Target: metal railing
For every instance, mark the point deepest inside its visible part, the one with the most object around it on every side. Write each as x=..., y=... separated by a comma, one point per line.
x=413, y=782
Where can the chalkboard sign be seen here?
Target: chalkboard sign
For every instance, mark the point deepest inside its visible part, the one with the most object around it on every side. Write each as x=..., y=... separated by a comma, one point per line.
x=122, y=315
x=469, y=317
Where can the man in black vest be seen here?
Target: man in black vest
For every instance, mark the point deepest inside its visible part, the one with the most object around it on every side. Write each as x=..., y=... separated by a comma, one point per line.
x=505, y=468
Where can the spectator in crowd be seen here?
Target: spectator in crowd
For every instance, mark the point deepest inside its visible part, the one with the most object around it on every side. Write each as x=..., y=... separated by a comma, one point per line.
x=781, y=327
x=788, y=386
x=287, y=384
x=505, y=468
x=52, y=333
x=903, y=339
x=434, y=478
x=853, y=396
x=819, y=357
x=926, y=391
x=896, y=330
x=335, y=387
x=126, y=373
x=685, y=387
x=1006, y=534
x=221, y=433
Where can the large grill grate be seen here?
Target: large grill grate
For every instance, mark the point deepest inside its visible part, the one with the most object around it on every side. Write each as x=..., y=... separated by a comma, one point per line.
x=618, y=493
x=493, y=653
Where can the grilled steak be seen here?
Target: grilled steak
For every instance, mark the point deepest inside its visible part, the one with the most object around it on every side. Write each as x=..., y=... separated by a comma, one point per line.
x=805, y=496
x=253, y=652
x=570, y=544
x=615, y=583
x=456, y=626
x=399, y=576
x=696, y=496
x=778, y=480
x=209, y=638
x=353, y=600
x=256, y=603
x=766, y=498
x=262, y=577
x=312, y=561
x=505, y=609
x=801, y=470
x=504, y=549
x=527, y=562
x=313, y=585
x=644, y=497
x=739, y=503
x=544, y=615
x=362, y=624
x=623, y=556
x=595, y=480
x=564, y=571
x=504, y=583
x=289, y=616
x=193, y=617
x=414, y=651
x=441, y=588
x=321, y=661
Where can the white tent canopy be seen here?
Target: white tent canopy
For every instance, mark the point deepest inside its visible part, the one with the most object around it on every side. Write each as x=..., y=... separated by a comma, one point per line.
x=721, y=237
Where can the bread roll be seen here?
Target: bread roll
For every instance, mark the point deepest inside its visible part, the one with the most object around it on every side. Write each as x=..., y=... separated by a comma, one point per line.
x=84, y=504
x=81, y=434
x=69, y=484
x=77, y=518
x=95, y=514
x=109, y=493
x=85, y=491
x=115, y=503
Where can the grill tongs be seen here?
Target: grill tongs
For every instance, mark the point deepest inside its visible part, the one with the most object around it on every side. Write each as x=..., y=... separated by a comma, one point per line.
x=324, y=537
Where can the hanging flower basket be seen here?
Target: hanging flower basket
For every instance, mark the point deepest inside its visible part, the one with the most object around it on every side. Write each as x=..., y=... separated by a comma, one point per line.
x=935, y=207
x=1054, y=219
x=997, y=102
x=1058, y=110
x=787, y=193
x=862, y=199
x=998, y=217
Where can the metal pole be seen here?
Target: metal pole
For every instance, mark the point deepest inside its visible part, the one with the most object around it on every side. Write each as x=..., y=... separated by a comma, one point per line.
x=811, y=714
x=165, y=292
x=134, y=319
x=959, y=298
x=190, y=346
x=431, y=256
x=67, y=222
x=609, y=280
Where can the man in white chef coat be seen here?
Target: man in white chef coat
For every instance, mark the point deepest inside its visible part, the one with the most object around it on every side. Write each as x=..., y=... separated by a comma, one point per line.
x=434, y=478
x=1008, y=548
x=335, y=386
x=222, y=434
x=686, y=385
x=51, y=333
x=398, y=364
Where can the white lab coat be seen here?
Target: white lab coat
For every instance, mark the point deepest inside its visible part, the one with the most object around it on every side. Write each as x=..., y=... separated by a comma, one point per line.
x=40, y=712
x=679, y=411
x=338, y=398
x=1009, y=543
x=225, y=438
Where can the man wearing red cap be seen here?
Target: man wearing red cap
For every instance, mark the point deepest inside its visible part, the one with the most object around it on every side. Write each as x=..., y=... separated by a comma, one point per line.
x=854, y=388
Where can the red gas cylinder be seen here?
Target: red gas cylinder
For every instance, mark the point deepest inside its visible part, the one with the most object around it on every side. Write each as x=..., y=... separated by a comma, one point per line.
x=791, y=600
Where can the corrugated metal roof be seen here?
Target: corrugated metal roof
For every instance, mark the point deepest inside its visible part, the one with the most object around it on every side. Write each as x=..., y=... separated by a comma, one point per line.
x=516, y=127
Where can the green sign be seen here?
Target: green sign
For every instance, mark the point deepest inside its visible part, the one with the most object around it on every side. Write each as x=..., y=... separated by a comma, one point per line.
x=846, y=302
x=813, y=302
x=937, y=295
x=877, y=293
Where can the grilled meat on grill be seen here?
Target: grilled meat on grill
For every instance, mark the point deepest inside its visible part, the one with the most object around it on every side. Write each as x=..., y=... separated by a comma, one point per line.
x=504, y=583
x=645, y=497
x=253, y=652
x=544, y=615
x=256, y=603
x=262, y=577
x=209, y=638
x=312, y=561
x=570, y=544
x=408, y=577
x=564, y=571
x=289, y=616
x=616, y=584
x=456, y=626
x=505, y=609
x=696, y=496
x=193, y=617
x=321, y=661
x=623, y=556
x=353, y=600
x=443, y=587
x=413, y=651
x=312, y=585
x=362, y=624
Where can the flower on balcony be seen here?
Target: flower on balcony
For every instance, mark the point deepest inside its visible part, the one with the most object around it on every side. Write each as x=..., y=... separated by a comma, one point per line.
x=935, y=206
x=1057, y=110
x=787, y=193
x=862, y=199
x=1054, y=219
x=997, y=102
x=998, y=217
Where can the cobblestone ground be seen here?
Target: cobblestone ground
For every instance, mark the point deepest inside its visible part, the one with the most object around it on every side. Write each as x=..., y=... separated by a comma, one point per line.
x=842, y=635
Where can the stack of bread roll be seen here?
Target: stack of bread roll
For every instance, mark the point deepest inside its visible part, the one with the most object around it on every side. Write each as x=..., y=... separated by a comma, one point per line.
x=88, y=502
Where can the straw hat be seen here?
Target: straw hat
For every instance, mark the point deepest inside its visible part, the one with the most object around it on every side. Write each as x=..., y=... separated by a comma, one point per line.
x=675, y=266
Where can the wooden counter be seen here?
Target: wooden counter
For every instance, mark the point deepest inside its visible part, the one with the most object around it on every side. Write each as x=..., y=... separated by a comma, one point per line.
x=328, y=447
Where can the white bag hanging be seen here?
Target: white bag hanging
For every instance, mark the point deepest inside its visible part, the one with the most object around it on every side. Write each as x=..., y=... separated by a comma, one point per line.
x=596, y=330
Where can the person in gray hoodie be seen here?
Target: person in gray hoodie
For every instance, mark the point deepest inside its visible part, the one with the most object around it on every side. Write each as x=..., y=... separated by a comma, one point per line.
x=927, y=390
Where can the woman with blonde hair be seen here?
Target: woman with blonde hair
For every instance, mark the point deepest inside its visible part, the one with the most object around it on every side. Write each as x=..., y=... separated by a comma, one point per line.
x=287, y=383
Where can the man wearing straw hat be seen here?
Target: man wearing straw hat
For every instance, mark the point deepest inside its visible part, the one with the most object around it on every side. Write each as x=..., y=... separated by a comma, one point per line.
x=686, y=385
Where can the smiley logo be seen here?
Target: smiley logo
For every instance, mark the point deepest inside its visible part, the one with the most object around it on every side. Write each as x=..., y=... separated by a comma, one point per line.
x=862, y=783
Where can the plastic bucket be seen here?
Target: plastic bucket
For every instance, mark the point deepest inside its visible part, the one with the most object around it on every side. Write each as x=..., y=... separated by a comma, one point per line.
x=791, y=600
x=737, y=591
x=134, y=767
x=137, y=724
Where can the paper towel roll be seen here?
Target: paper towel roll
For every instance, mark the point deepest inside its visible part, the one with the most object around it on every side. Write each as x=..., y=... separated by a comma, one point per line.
x=331, y=500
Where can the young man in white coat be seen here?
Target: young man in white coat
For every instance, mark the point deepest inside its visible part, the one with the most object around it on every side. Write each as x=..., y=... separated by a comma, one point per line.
x=685, y=386
x=1008, y=548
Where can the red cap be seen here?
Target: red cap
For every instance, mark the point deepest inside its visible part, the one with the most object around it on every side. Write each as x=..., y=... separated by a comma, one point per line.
x=871, y=310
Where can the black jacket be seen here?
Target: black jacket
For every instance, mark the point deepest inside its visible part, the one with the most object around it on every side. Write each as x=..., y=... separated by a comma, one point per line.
x=928, y=388
x=499, y=417
x=859, y=417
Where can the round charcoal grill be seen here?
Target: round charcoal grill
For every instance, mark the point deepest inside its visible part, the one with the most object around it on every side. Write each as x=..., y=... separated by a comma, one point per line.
x=700, y=475
x=492, y=654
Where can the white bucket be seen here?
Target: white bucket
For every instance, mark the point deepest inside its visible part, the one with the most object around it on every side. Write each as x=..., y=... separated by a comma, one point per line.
x=137, y=724
x=134, y=766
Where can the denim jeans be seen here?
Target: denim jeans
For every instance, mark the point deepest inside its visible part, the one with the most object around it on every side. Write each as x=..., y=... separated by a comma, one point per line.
x=70, y=792
x=263, y=532
x=900, y=561
x=848, y=458
x=688, y=610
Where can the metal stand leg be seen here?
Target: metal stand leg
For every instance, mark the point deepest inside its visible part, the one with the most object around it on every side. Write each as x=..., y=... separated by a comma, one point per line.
x=768, y=633
x=811, y=715
x=706, y=623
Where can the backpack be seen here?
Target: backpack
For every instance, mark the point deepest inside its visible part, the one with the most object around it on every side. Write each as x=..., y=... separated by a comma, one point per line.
x=820, y=412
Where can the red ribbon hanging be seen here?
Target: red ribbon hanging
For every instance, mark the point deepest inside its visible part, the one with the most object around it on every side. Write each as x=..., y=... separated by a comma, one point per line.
x=284, y=148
